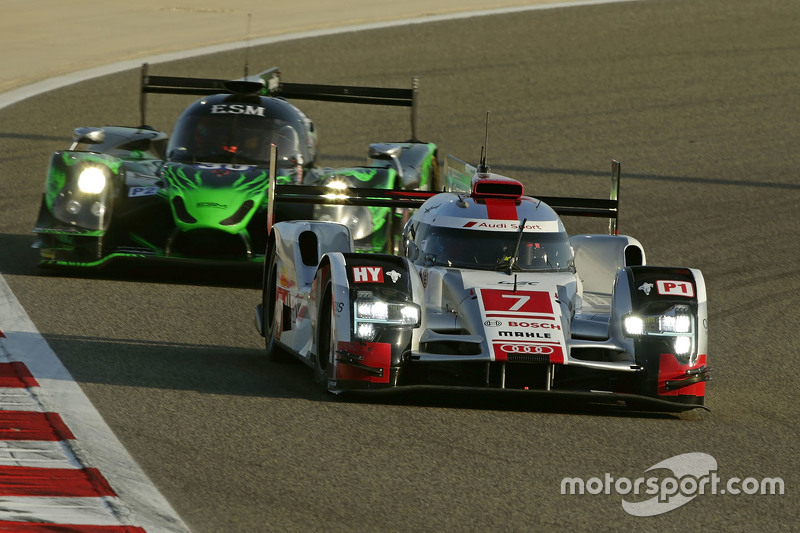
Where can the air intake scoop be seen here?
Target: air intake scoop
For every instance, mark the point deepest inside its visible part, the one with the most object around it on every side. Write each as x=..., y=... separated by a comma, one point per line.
x=496, y=186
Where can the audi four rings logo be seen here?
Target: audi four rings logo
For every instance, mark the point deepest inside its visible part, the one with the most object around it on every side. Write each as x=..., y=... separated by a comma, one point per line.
x=494, y=323
x=527, y=348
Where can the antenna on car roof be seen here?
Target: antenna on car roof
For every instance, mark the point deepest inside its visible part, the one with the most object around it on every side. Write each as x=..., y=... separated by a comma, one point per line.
x=483, y=168
x=247, y=47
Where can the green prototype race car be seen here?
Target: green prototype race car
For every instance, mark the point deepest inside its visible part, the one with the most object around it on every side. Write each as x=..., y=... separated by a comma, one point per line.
x=201, y=193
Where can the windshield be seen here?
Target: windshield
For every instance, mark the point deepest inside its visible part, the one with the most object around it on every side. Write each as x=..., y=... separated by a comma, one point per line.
x=226, y=138
x=489, y=250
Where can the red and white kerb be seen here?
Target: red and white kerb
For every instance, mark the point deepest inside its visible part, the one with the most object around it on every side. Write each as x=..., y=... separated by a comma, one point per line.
x=44, y=488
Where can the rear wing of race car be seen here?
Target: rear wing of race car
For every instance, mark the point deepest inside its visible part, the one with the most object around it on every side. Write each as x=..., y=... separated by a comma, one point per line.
x=268, y=83
x=309, y=194
x=457, y=177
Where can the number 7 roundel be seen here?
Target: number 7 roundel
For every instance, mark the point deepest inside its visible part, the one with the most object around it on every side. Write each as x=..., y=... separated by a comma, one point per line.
x=534, y=302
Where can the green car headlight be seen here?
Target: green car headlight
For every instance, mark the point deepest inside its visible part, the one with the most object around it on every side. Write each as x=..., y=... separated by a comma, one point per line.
x=92, y=180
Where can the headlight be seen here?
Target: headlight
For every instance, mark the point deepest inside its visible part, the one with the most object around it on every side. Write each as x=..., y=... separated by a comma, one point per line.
x=372, y=310
x=676, y=324
x=336, y=189
x=98, y=209
x=633, y=325
x=73, y=207
x=92, y=180
x=410, y=314
x=404, y=314
x=683, y=345
x=366, y=331
x=678, y=319
x=370, y=314
x=675, y=321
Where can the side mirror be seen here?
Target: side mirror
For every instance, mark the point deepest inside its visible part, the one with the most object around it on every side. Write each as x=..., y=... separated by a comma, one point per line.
x=388, y=151
x=385, y=151
x=87, y=136
x=412, y=251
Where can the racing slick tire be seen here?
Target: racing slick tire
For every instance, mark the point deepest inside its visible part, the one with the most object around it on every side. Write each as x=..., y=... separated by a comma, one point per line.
x=326, y=338
x=270, y=304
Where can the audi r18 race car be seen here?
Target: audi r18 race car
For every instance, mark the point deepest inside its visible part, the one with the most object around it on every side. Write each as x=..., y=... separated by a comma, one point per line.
x=490, y=292
x=200, y=194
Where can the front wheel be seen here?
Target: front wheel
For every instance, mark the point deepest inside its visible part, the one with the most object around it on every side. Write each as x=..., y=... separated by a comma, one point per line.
x=270, y=305
x=326, y=339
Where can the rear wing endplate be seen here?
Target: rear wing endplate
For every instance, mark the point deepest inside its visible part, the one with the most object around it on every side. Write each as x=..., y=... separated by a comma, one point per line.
x=268, y=83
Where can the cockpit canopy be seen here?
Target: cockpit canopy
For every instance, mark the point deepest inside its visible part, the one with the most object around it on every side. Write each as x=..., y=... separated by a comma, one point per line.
x=493, y=250
x=232, y=129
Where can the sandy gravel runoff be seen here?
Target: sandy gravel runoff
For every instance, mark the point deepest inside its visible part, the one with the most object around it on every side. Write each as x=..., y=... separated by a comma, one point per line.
x=40, y=39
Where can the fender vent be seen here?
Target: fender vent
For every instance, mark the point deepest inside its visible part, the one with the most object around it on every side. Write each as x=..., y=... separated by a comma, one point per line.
x=633, y=256
x=307, y=242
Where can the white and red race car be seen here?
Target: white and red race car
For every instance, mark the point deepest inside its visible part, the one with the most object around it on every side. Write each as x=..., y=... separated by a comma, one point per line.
x=491, y=292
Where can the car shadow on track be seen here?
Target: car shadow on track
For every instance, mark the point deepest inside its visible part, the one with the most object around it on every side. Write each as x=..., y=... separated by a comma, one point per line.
x=512, y=400
x=16, y=255
x=18, y=258
x=203, y=368
x=222, y=370
x=234, y=276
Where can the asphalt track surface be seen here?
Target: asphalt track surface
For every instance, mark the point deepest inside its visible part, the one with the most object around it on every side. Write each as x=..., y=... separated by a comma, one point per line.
x=697, y=98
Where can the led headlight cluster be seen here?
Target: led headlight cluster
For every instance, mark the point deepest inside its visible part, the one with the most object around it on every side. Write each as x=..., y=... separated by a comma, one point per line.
x=92, y=180
x=84, y=200
x=370, y=314
x=677, y=322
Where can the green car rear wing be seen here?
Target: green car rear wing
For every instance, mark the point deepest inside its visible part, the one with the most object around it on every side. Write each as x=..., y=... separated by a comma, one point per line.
x=268, y=83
